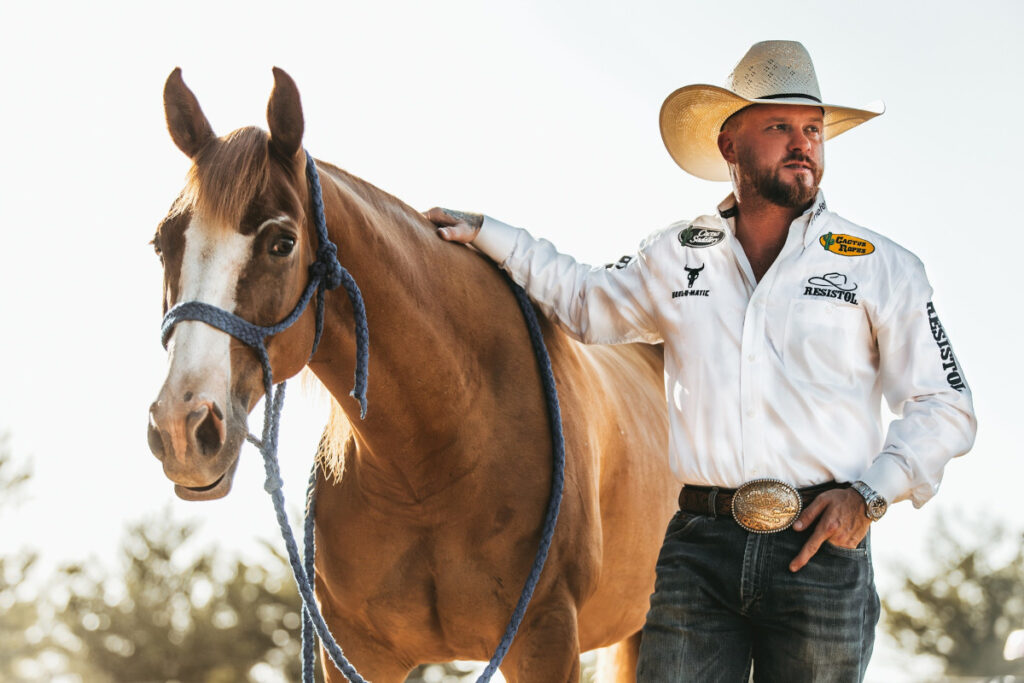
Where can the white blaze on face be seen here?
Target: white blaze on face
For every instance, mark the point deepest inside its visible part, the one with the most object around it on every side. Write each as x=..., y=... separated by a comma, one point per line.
x=198, y=354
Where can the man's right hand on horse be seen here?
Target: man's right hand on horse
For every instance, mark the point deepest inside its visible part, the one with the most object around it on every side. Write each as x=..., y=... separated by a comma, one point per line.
x=455, y=226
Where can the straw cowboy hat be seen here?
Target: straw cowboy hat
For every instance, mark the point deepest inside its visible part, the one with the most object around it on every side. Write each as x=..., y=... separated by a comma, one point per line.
x=772, y=72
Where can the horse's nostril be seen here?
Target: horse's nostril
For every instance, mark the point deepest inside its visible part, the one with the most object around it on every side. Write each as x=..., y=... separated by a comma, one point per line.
x=207, y=428
x=207, y=437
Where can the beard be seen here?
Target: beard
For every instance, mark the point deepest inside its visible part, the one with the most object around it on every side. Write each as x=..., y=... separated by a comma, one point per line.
x=767, y=181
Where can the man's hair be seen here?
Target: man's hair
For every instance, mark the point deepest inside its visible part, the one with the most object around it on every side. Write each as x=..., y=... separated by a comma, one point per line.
x=733, y=120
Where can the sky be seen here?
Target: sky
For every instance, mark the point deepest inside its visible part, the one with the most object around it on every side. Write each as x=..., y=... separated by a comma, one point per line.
x=541, y=114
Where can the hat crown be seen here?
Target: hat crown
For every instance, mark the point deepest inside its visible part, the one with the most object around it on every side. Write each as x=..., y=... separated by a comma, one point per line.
x=773, y=68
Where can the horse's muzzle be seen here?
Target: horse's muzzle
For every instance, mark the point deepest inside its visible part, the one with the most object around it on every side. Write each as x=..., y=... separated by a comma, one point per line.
x=191, y=438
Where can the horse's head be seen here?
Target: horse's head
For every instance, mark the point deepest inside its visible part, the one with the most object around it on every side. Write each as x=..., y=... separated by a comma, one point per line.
x=236, y=238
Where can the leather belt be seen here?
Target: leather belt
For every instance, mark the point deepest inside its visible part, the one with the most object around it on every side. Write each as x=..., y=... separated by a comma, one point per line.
x=715, y=501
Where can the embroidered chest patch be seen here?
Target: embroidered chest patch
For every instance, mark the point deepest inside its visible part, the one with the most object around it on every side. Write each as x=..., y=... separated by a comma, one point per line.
x=846, y=245
x=832, y=286
x=692, y=274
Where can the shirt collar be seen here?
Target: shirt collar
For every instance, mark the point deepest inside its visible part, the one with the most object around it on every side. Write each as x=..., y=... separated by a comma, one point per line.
x=727, y=212
x=818, y=217
x=812, y=219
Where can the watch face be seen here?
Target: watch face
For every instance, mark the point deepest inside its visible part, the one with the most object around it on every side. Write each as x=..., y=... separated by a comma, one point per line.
x=876, y=508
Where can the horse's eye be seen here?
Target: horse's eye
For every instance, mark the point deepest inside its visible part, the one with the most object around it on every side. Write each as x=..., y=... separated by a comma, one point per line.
x=282, y=246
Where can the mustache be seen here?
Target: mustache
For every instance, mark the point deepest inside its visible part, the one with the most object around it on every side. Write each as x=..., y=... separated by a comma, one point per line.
x=801, y=158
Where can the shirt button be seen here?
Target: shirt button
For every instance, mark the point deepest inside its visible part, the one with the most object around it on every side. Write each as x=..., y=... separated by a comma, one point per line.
x=750, y=412
x=751, y=357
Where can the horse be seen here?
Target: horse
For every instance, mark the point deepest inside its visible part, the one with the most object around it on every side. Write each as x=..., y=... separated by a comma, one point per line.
x=429, y=510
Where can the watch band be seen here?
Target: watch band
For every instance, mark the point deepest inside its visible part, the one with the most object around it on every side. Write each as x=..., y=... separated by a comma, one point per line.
x=875, y=503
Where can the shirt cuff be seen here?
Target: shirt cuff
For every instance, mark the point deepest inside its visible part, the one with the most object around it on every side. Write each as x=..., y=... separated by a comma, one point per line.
x=887, y=477
x=496, y=239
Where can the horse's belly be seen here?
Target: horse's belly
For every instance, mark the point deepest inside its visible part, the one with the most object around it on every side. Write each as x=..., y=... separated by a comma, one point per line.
x=636, y=491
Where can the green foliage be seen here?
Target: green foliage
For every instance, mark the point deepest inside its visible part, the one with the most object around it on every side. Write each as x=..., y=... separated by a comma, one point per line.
x=171, y=617
x=963, y=612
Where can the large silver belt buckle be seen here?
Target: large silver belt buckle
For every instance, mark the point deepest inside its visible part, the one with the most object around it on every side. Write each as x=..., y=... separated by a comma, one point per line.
x=764, y=506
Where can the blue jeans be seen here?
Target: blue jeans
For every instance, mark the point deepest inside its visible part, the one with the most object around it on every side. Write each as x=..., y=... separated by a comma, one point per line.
x=725, y=599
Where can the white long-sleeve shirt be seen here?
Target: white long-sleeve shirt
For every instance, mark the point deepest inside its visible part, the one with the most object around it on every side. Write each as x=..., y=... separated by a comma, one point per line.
x=781, y=378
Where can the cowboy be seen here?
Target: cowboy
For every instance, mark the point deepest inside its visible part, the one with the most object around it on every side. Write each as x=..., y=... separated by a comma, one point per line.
x=784, y=325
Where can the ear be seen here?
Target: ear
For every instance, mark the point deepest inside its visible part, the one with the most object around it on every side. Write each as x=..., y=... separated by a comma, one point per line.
x=185, y=120
x=727, y=146
x=284, y=115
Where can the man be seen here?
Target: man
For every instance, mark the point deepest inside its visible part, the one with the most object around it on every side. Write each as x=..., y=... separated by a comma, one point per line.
x=784, y=325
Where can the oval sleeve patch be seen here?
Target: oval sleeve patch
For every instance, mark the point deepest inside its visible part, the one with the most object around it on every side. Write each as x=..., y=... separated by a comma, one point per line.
x=846, y=245
x=700, y=238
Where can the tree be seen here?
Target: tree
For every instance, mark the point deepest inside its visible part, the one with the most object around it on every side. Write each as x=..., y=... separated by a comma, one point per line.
x=171, y=618
x=21, y=639
x=963, y=613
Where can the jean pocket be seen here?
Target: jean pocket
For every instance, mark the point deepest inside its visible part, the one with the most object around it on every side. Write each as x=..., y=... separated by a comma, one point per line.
x=682, y=523
x=860, y=552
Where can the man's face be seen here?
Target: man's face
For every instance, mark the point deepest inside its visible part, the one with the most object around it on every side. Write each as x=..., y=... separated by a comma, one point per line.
x=777, y=152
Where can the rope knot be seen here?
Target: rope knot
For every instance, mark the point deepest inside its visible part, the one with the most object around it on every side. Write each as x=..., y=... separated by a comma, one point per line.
x=326, y=267
x=273, y=483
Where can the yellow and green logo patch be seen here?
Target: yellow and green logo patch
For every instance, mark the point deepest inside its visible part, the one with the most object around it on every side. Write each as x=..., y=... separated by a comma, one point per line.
x=846, y=245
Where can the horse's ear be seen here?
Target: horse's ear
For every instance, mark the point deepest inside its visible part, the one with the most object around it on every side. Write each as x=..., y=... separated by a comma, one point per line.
x=284, y=115
x=185, y=120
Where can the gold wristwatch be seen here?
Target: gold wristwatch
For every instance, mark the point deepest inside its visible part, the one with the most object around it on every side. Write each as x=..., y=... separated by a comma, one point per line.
x=876, y=503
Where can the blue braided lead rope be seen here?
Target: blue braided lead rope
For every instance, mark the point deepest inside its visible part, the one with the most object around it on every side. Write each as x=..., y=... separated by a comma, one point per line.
x=309, y=553
x=557, y=479
x=328, y=267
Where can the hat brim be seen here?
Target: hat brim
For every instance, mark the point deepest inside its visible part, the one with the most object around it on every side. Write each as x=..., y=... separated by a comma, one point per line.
x=692, y=117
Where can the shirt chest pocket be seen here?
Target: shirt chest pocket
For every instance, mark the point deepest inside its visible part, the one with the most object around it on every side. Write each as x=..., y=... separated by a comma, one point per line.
x=824, y=342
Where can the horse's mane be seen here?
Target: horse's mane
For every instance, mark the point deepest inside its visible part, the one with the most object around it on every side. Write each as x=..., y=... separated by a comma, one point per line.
x=230, y=172
x=227, y=174
x=332, y=449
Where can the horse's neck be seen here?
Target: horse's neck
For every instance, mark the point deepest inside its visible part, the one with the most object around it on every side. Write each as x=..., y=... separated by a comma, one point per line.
x=425, y=330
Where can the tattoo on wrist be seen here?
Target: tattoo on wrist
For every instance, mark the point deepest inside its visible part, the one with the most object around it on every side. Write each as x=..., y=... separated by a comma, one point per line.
x=474, y=220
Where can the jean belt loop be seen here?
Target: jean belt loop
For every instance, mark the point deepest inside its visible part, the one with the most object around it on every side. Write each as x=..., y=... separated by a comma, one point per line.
x=712, y=495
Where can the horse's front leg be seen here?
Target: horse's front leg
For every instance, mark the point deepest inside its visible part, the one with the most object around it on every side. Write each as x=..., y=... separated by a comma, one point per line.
x=547, y=648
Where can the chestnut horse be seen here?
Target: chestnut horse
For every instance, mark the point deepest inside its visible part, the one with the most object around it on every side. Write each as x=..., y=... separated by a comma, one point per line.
x=426, y=540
